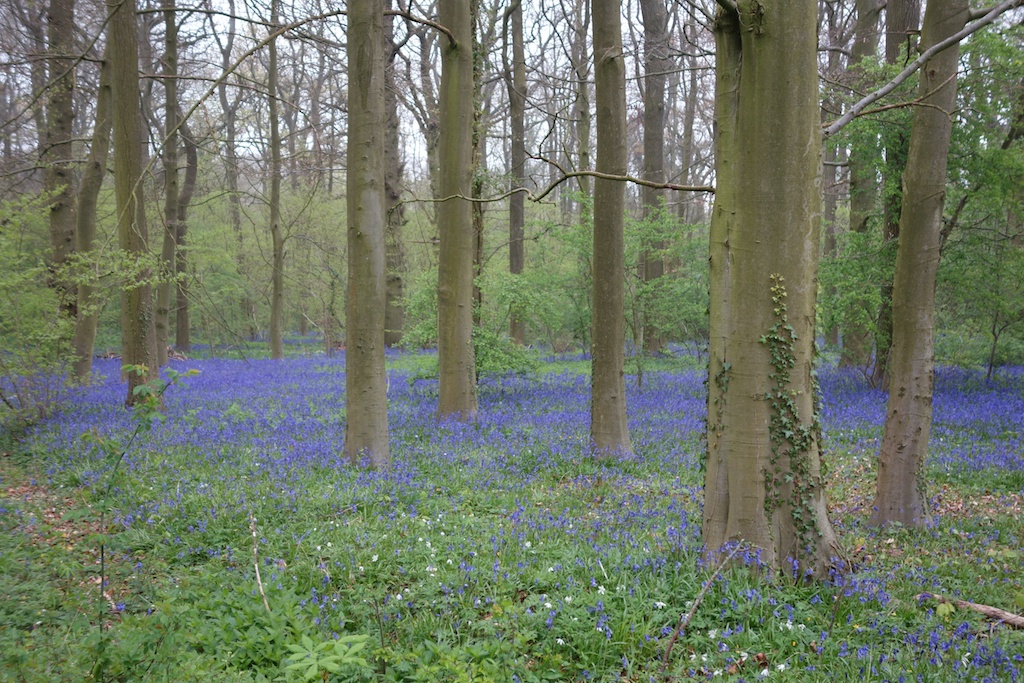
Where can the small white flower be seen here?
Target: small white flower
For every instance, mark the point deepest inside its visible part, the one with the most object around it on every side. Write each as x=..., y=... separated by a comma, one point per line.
x=765, y=673
x=965, y=659
x=568, y=599
x=551, y=569
x=659, y=604
x=528, y=544
x=449, y=561
x=781, y=667
x=713, y=633
x=398, y=596
x=559, y=641
x=601, y=590
x=318, y=548
x=373, y=559
x=547, y=605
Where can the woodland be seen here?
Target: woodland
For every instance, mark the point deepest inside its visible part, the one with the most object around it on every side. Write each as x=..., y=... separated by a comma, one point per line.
x=481, y=340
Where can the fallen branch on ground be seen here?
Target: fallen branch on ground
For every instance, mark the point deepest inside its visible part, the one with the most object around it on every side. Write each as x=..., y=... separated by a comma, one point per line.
x=1008, y=618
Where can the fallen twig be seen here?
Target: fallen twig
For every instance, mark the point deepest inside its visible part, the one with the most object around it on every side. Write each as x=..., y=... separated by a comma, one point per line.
x=684, y=620
x=256, y=560
x=1008, y=618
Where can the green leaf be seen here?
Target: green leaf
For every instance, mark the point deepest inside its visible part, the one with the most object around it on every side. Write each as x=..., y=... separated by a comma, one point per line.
x=1019, y=599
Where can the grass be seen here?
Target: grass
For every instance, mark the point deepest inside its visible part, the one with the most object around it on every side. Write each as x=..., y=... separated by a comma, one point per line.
x=491, y=551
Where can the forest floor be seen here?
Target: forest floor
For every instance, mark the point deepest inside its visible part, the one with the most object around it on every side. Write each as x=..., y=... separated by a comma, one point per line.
x=490, y=551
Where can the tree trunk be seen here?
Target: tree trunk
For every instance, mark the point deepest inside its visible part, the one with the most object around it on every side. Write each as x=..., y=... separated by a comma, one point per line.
x=582, y=105
x=59, y=155
x=394, y=314
x=656, y=66
x=88, y=194
x=366, y=422
x=902, y=17
x=456, y=364
x=182, y=324
x=609, y=432
x=900, y=494
x=276, y=237
x=763, y=482
x=515, y=82
x=137, y=334
x=170, y=161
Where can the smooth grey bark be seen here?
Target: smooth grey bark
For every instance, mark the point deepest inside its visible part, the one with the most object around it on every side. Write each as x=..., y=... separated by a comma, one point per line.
x=763, y=482
x=609, y=432
x=88, y=194
x=276, y=235
x=137, y=334
x=456, y=361
x=162, y=317
x=366, y=408
x=900, y=495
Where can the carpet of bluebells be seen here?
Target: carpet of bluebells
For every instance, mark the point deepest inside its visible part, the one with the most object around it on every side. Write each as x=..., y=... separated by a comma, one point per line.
x=494, y=550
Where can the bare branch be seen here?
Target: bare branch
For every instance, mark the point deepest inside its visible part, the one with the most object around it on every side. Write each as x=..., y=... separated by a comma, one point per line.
x=991, y=15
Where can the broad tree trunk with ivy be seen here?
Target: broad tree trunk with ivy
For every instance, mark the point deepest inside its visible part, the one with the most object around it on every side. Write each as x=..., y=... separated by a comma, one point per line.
x=366, y=407
x=456, y=363
x=900, y=493
x=763, y=481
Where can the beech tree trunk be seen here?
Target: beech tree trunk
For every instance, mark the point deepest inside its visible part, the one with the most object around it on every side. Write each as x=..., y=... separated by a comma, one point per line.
x=170, y=162
x=609, y=432
x=276, y=237
x=366, y=422
x=900, y=495
x=456, y=362
x=515, y=82
x=137, y=334
x=88, y=194
x=763, y=481
x=59, y=155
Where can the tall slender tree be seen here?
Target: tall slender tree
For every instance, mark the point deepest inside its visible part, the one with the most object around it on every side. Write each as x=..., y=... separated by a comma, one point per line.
x=608, y=429
x=137, y=333
x=656, y=68
x=182, y=319
x=366, y=422
x=58, y=154
x=515, y=83
x=170, y=161
x=900, y=495
x=456, y=362
x=88, y=195
x=763, y=481
x=274, y=199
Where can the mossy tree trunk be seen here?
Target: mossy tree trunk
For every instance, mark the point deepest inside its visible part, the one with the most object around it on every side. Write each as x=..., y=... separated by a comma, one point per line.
x=456, y=364
x=609, y=432
x=900, y=495
x=763, y=482
x=366, y=407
